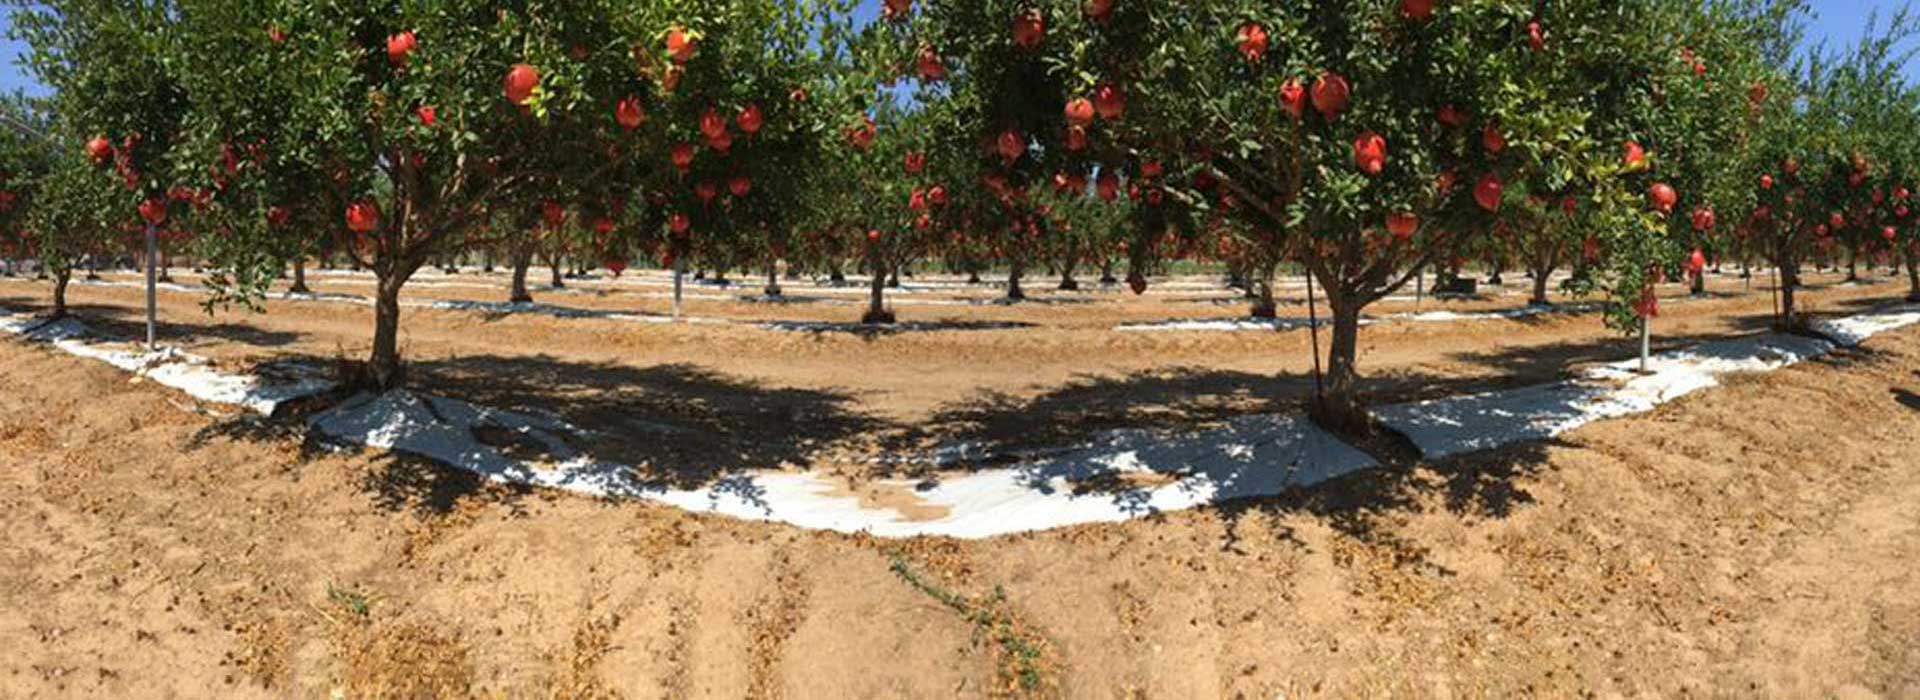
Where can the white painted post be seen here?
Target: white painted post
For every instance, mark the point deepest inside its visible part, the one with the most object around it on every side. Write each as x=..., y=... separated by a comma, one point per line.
x=1646, y=342
x=153, y=258
x=678, y=271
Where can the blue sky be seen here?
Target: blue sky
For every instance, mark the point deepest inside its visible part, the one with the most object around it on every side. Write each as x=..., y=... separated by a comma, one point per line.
x=1838, y=21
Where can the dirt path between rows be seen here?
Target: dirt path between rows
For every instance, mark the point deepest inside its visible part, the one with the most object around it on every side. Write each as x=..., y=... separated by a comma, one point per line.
x=1754, y=541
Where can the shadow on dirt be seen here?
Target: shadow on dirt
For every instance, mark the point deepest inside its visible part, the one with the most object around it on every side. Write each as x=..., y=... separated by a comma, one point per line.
x=130, y=322
x=1363, y=504
x=680, y=425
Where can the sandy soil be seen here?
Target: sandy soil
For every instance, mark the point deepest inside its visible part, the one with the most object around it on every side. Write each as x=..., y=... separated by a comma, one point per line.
x=1755, y=541
x=745, y=396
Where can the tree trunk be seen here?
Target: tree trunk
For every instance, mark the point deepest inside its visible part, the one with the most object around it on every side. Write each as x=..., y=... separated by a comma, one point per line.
x=1913, y=273
x=60, y=280
x=1263, y=303
x=486, y=261
x=299, y=276
x=558, y=281
x=1540, y=278
x=93, y=267
x=773, y=279
x=1106, y=273
x=1067, y=282
x=1014, y=293
x=877, y=313
x=521, y=261
x=835, y=277
x=973, y=278
x=383, y=368
x=1339, y=407
x=1853, y=264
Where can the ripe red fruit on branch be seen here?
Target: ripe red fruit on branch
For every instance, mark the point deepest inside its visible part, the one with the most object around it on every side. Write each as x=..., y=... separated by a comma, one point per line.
x=278, y=216
x=1402, y=225
x=1766, y=182
x=1697, y=262
x=1076, y=138
x=712, y=125
x=520, y=82
x=1488, y=192
x=740, y=185
x=750, y=119
x=399, y=45
x=1108, y=186
x=615, y=264
x=682, y=154
x=1417, y=10
x=937, y=196
x=1029, y=28
x=1889, y=233
x=679, y=45
x=1837, y=221
x=99, y=150
x=1330, y=94
x=873, y=235
x=426, y=115
x=1662, y=197
x=915, y=162
x=1703, y=219
x=629, y=113
x=706, y=191
x=861, y=135
x=1451, y=116
x=1370, y=153
x=154, y=210
x=363, y=216
x=1100, y=10
x=680, y=224
x=932, y=68
x=1253, y=41
x=1109, y=101
x=896, y=9
x=1492, y=140
x=1079, y=111
x=1149, y=169
x=1536, y=37
x=1010, y=145
x=553, y=213
x=1293, y=98
x=602, y=225
x=1635, y=157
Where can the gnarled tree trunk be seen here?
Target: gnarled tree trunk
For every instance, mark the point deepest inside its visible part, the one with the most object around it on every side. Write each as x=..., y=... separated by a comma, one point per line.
x=1014, y=293
x=522, y=259
x=384, y=370
x=1339, y=405
x=877, y=313
x=60, y=280
x=299, y=276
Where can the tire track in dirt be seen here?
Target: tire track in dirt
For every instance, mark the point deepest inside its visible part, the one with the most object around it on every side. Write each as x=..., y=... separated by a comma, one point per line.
x=772, y=619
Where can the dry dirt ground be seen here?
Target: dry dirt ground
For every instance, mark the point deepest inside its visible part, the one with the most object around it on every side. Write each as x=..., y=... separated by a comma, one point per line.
x=1755, y=541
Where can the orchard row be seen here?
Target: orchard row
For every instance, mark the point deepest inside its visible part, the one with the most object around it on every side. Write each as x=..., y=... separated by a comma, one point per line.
x=1367, y=141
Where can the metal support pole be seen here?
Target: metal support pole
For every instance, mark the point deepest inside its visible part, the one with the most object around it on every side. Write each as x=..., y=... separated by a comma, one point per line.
x=153, y=259
x=1646, y=342
x=678, y=271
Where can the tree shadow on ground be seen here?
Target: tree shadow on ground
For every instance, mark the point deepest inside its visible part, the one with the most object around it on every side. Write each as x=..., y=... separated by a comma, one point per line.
x=679, y=425
x=125, y=322
x=1364, y=504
